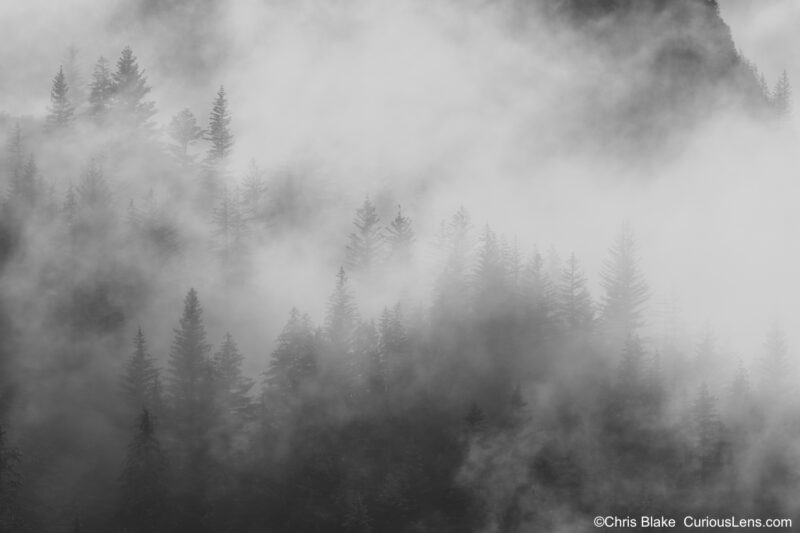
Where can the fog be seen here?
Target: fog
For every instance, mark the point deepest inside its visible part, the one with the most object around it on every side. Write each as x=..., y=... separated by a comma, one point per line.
x=555, y=129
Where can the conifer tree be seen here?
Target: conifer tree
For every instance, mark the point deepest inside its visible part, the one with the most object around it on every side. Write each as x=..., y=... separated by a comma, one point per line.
x=394, y=347
x=452, y=284
x=342, y=317
x=294, y=359
x=232, y=386
x=368, y=366
x=574, y=303
x=74, y=76
x=183, y=129
x=626, y=291
x=189, y=362
x=14, y=157
x=93, y=191
x=400, y=238
x=366, y=243
x=141, y=376
x=489, y=277
x=101, y=91
x=219, y=132
x=60, y=113
x=230, y=227
x=25, y=190
x=254, y=194
x=782, y=96
x=143, y=479
x=708, y=432
x=70, y=207
x=129, y=91
x=775, y=362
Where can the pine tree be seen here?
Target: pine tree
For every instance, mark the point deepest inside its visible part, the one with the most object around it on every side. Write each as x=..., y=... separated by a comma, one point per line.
x=366, y=243
x=342, y=317
x=70, y=207
x=455, y=241
x=101, y=91
x=93, y=191
x=74, y=76
x=775, y=362
x=574, y=303
x=25, y=190
x=626, y=291
x=184, y=131
x=782, y=96
x=230, y=227
x=60, y=113
x=219, y=133
x=254, y=194
x=356, y=519
x=232, y=386
x=140, y=377
x=489, y=277
x=394, y=347
x=367, y=367
x=129, y=91
x=188, y=362
x=144, y=488
x=15, y=156
x=400, y=238
x=708, y=432
x=294, y=360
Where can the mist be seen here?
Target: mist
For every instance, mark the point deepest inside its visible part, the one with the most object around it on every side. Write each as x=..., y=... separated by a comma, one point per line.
x=650, y=140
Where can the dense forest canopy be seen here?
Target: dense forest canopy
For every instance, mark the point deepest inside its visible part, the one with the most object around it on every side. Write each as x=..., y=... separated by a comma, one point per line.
x=393, y=266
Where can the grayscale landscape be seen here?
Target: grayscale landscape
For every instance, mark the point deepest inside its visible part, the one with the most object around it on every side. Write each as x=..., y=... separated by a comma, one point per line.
x=369, y=266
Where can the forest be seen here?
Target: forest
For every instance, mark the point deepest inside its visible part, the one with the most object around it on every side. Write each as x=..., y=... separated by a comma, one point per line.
x=171, y=362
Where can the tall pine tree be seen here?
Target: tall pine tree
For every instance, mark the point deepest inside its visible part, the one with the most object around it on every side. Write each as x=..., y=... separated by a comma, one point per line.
x=366, y=242
x=129, y=92
x=144, y=484
x=61, y=112
x=219, y=132
x=626, y=291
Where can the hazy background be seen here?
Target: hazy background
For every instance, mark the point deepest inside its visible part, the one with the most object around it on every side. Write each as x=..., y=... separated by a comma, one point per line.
x=438, y=106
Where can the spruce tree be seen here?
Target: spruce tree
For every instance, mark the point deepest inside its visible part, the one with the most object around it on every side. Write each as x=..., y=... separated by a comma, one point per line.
x=775, y=362
x=188, y=362
x=626, y=291
x=74, y=76
x=574, y=303
x=453, y=282
x=230, y=226
x=129, y=91
x=61, y=112
x=366, y=243
x=254, y=195
x=219, y=132
x=782, y=96
x=342, y=317
x=489, y=277
x=294, y=360
x=183, y=129
x=708, y=432
x=101, y=91
x=14, y=157
x=140, y=377
x=93, y=192
x=232, y=386
x=144, y=487
x=25, y=190
x=400, y=238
